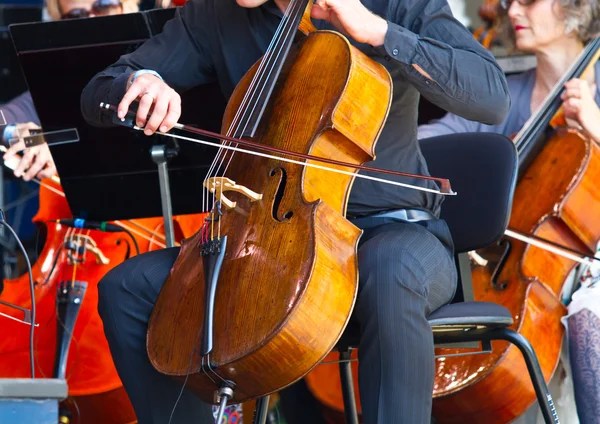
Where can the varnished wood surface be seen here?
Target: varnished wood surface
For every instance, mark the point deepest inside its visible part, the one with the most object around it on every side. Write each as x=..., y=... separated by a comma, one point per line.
x=287, y=286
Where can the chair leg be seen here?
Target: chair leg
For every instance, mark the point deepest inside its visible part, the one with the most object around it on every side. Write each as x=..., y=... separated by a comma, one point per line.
x=261, y=410
x=533, y=366
x=535, y=372
x=348, y=387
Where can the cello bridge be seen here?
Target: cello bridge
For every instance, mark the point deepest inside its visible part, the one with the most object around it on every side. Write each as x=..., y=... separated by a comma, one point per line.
x=78, y=245
x=219, y=185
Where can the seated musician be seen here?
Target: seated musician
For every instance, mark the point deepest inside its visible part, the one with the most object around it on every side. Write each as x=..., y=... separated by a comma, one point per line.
x=406, y=265
x=20, y=112
x=555, y=32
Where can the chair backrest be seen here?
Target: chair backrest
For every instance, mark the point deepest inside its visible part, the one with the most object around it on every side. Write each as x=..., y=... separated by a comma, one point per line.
x=482, y=169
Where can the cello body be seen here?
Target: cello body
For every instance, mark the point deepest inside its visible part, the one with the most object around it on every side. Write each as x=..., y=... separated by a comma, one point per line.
x=557, y=200
x=94, y=386
x=96, y=393
x=289, y=277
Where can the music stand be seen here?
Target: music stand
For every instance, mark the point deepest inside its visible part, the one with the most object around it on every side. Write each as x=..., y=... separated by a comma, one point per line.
x=110, y=174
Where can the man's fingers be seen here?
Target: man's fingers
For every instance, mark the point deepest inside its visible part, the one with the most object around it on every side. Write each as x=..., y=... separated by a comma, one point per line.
x=157, y=101
x=25, y=162
x=35, y=167
x=144, y=106
x=134, y=91
x=158, y=114
x=172, y=116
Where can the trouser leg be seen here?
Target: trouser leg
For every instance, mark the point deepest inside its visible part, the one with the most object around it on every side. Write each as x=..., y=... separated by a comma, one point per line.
x=405, y=273
x=126, y=298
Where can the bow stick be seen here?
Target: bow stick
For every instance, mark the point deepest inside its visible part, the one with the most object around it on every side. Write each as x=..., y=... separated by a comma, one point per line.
x=446, y=189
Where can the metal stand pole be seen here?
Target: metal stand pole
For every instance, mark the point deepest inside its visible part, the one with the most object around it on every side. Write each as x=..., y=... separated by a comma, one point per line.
x=161, y=155
x=261, y=410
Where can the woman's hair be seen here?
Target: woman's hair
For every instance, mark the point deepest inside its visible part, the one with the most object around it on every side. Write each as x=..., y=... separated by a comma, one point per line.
x=129, y=6
x=580, y=16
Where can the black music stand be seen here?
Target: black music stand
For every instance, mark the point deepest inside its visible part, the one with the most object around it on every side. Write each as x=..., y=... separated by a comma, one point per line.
x=110, y=174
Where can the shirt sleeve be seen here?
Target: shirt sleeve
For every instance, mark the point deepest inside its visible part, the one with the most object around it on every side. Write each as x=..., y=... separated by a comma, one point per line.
x=20, y=110
x=465, y=77
x=177, y=54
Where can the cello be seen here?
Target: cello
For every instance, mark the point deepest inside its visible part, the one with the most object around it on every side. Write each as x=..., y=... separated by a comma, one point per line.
x=224, y=323
x=67, y=344
x=556, y=199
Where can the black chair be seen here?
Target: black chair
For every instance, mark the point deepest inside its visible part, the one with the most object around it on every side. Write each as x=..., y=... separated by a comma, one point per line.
x=482, y=169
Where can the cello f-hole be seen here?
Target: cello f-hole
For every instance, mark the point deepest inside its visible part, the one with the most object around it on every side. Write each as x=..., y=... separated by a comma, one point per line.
x=279, y=195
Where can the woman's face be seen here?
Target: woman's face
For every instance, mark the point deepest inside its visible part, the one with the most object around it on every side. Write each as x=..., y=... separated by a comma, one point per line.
x=70, y=8
x=537, y=25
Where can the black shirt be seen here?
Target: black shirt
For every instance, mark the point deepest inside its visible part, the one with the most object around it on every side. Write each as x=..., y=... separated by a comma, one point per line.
x=217, y=40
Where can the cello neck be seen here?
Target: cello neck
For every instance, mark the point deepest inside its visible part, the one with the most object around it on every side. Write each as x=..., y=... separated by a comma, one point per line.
x=264, y=81
x=529, y=140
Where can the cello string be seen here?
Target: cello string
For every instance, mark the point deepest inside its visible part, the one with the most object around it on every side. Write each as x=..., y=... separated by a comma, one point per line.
x=205, y=190
x=247, y=94
x=279, y=52
x=254, y=83
x=268, y=58
x=268, y=62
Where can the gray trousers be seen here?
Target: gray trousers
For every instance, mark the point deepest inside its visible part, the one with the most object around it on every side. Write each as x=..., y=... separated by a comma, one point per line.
x=406, y=270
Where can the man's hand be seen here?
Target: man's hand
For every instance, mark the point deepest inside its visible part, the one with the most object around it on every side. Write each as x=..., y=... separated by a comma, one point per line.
x=36, y=161
x=155, y=97
x=352, y=18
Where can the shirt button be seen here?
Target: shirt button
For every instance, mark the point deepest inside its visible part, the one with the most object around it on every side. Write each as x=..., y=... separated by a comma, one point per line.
x=386, y=57
x=395, y=52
